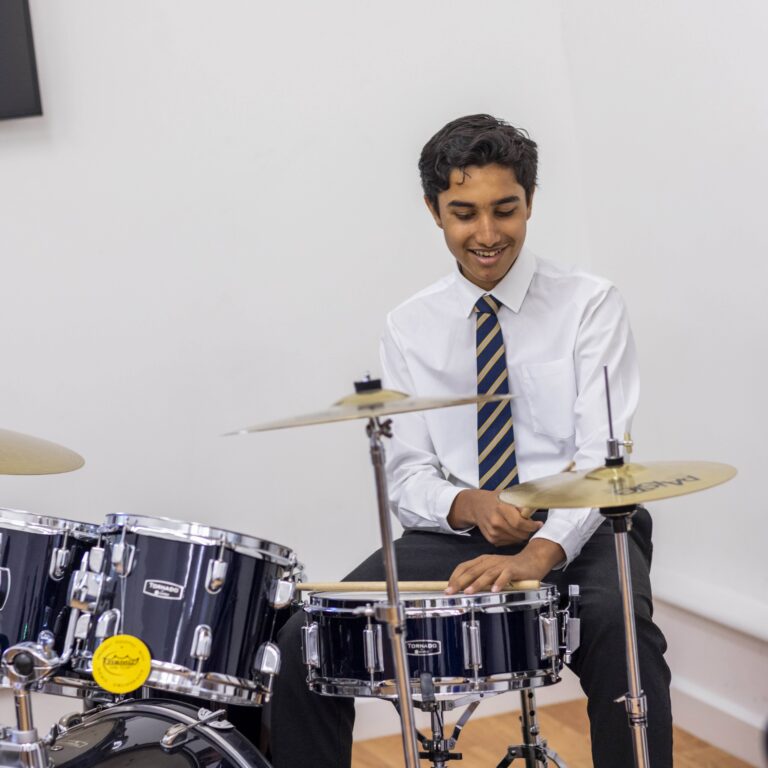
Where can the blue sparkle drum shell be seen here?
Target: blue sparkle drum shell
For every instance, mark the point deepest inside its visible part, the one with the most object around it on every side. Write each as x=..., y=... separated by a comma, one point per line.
x=130, y=734
x=37, y=556
x=488, y=642
x=157, y=581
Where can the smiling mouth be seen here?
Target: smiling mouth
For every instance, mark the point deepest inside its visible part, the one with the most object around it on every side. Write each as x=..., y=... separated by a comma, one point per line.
x=487, y=254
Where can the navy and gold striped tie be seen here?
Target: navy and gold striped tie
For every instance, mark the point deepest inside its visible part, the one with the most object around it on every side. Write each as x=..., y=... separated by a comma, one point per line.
x=495, y=434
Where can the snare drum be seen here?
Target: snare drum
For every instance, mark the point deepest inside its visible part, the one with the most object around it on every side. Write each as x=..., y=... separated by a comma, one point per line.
x=488, y=642
x=37, y=556
x=203, y=600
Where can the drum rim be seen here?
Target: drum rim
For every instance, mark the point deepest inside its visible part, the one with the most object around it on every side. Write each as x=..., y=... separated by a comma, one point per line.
x=444, y=688
x=438, y=601
x=19, y=519
x=198, y=533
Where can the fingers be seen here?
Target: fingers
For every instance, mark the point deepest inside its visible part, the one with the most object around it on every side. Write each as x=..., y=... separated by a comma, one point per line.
x=510, y=527
x=481, y=574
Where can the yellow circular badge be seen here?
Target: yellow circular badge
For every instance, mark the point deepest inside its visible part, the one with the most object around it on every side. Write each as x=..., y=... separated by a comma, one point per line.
x=121, y=664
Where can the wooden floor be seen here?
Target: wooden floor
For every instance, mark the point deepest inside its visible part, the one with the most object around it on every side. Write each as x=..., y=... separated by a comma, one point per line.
x=484, y=742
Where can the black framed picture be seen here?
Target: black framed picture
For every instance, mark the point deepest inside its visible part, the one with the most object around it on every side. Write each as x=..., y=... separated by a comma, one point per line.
x=19, y=87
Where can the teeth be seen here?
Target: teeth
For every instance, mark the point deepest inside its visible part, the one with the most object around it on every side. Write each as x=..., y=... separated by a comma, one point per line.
x=488, y=253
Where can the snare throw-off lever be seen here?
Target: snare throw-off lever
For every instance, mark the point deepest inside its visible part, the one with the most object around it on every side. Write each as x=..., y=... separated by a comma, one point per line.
x=570, y=624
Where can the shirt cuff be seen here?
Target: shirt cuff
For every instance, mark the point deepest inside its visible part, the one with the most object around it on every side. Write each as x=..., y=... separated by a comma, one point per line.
x=570, y=535
x=443, y=505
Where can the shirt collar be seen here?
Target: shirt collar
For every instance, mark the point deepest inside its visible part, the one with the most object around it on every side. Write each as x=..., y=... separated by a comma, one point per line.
x=510, y=291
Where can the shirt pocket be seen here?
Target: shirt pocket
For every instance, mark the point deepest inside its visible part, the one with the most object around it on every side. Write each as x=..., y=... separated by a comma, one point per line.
x=550, y=389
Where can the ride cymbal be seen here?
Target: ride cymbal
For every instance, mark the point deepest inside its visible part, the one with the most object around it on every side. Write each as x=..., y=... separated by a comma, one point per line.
x=371, y=404
x=25, y=455
x=619, y=486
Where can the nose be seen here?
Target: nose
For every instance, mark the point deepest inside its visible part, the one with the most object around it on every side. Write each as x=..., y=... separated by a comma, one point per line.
x=487, y=233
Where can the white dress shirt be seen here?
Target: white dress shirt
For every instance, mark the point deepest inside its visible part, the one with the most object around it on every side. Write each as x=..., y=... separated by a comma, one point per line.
x=560, y=327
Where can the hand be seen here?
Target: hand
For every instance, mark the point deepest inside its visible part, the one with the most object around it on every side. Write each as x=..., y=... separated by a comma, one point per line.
x=498, y=522
x=538, y=558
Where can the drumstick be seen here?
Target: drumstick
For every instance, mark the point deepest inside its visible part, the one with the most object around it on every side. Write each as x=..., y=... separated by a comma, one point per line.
x=404, y=586
x=527, y=512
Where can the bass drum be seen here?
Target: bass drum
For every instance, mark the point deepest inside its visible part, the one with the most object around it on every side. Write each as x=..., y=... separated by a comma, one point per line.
x=129, y=735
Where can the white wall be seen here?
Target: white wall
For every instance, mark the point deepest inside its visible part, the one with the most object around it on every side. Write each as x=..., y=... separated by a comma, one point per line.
x=671, y=119
x=206, y=229
x=208, y=224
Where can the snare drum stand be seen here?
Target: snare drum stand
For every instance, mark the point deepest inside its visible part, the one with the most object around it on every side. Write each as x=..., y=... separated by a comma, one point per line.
x=392, y=613
x=534, y=749
x=438, y=749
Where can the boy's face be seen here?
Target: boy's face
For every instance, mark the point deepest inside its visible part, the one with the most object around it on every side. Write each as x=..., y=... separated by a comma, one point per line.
x=484, y=216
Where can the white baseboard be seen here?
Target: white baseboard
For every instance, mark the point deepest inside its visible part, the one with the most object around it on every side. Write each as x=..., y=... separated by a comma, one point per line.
x=720, y=723
x=719, y=680
x=375, y=718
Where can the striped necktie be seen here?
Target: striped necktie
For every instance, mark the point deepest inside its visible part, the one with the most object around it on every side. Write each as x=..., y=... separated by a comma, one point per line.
x=495, y=434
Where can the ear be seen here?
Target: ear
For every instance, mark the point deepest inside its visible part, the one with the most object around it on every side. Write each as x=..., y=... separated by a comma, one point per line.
x=435, y=214
x=530, y=205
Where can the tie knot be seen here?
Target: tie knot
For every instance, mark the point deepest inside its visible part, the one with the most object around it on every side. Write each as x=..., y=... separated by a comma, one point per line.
x=487, y=305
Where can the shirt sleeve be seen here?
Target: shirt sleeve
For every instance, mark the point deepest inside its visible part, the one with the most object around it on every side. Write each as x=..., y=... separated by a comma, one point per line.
x=604, y=338
x=419, y=493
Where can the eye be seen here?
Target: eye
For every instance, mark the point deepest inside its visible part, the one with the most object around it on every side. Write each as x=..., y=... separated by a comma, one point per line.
x=463, y=216
x=505, y=214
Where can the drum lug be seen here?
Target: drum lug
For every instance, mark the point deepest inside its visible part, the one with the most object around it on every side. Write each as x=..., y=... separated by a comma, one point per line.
x=281, y=593
x=548, y=636
x=60, y=558
x=95, y=559
x=202, y=642
x=216, y=576
x=85, y=590
x=45, y=640
x=122, y=558
x=309, y=646
x=472, y=655
x=267, y=659
x=373, y=650
x=83, y=626
x=267, y=663
x=107, y=624
x=5, y=586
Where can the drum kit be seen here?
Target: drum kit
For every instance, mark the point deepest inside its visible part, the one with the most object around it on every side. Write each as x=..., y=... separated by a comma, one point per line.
x=113, y=613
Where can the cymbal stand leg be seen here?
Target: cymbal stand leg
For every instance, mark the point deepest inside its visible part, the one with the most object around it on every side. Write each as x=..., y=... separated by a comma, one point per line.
x=534, y=748
x=393, y=614
x=635, y=700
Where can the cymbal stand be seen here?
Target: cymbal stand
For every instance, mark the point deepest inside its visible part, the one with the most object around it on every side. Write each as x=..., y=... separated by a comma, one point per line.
x=621, y=519
x=534, y=748
x=392, y=613
x=24, y=665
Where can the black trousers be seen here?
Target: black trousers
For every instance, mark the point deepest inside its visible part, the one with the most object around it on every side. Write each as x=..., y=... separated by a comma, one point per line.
x=308, y=729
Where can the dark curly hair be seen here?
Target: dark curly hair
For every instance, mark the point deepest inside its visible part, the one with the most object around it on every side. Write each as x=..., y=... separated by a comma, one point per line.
x=477, y=140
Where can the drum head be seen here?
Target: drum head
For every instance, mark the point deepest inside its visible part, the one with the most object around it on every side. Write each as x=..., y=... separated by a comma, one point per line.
x=129, y=736
x=433, y=603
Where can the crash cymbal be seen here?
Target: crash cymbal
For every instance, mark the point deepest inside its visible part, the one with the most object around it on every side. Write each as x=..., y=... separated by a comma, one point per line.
x=373, y=403
x=26, y=455
x=620, y=486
